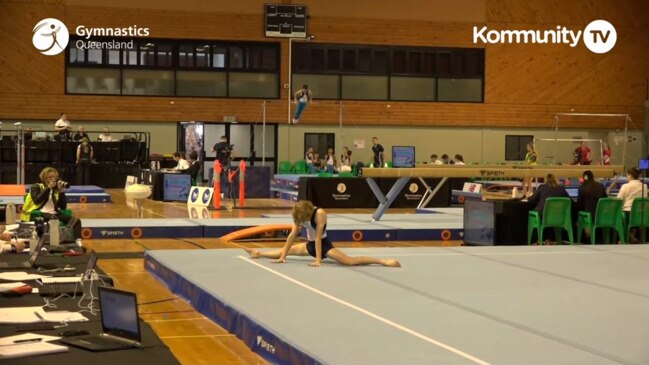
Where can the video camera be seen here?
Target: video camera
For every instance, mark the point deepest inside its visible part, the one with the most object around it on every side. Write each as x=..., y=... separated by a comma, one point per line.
x=63, y=184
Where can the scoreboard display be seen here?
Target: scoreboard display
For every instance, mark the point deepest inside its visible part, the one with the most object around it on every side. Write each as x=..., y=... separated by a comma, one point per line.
x=286, y=21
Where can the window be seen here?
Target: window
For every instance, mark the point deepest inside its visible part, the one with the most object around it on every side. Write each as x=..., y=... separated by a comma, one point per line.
x=176, y=67
x=516, y=147
x=320, y=142
x=391, y=72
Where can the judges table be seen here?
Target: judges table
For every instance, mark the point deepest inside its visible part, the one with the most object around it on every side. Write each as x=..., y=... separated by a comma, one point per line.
x=156, y=179
x=444, y=172
x=495, y=222
x=153, y=350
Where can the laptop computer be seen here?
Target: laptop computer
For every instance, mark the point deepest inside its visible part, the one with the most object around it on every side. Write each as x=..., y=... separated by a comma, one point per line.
x=27, y=264
x=119, y=320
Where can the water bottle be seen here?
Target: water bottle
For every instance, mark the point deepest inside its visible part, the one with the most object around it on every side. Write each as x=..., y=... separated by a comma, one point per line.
x=515, y=192
x=33, y=240
x=10, y=213
x=54, y=232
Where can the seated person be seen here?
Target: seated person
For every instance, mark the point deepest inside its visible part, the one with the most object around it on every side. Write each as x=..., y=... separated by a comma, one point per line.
x=7, y=245
x=629, y=191
x=47, y=199
x=80, y=134
x=551, y=189
x=194, y=168
x=105, y=136
x=435, y=161
x=182, y=163
x=590, y=192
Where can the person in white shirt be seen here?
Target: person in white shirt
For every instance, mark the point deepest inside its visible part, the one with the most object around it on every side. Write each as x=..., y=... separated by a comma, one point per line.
x=105, y=136
x=330, y=160
x=629, y=191
x=434, y=160
x=459, y=160
x=63, y=125
x=182, y=163
x=6, y=245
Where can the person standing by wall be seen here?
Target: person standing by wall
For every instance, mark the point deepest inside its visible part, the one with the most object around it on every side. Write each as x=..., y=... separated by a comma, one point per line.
x=377, y=149
x=85, y=154
x=63, y=126
x=606, y=154
x=530, y=159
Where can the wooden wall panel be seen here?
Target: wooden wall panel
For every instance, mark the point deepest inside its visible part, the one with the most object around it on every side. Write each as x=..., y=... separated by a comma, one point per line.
x=525, y=84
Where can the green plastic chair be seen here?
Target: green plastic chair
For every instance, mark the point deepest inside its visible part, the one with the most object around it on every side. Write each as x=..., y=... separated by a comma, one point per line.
x=37, y=214
x=388, y=164
x=556, y=214
x=608, y=216
x=346, y=174
x=198, y=178
x=638, y=218
x=285, y=167
x=300, y=167
x=325, y=174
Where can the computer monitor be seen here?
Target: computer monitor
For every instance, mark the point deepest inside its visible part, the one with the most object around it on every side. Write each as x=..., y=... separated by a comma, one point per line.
x=479, y=223
x=643, y=164
x=176, y=187
x=403, y=156
x=40, y=135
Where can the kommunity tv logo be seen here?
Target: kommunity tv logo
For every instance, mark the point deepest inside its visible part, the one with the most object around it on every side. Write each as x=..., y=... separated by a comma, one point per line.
x=599, y=36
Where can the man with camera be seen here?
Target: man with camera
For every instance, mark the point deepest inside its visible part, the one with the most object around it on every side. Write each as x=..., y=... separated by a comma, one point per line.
x=224, y=154
x=47, y=200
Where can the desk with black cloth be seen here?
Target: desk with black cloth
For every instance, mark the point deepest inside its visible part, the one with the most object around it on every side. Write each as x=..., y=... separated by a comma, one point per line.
x=495, y=222
x=156, y=178
x=153, y=350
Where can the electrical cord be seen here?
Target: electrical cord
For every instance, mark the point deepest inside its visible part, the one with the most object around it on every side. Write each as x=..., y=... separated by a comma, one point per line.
x=159, y=301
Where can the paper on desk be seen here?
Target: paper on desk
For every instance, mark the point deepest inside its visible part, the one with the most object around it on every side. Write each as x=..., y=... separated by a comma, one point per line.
x=7, y=286
x=19, y=276
x=4, y=341
x=30, y=349
x=37, y=314
x=61, y=316
x=20, y=315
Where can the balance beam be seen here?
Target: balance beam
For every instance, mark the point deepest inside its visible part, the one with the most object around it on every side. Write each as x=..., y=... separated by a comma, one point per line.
x=404, y=175
x=494, y=172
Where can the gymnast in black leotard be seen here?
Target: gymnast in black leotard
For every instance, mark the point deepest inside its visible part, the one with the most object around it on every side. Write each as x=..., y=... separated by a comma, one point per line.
x=314, y=220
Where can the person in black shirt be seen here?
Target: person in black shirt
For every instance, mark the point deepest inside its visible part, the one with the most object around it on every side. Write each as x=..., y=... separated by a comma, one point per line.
x=224, y=154
x=590, y=192
x=223, y=151
x=79, y=134
x=377, y=149
x=194, y=167
x=551, y=189
x=84, y=159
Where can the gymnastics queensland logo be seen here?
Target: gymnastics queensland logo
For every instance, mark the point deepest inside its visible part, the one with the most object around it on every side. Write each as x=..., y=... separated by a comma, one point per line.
x=599, y=36
x=413, y=188
x=341, y=188
x=50, y=36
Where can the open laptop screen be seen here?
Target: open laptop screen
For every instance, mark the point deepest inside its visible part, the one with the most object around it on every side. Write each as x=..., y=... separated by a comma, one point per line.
x=92, y=261
x=119, y=316
x=37, y=251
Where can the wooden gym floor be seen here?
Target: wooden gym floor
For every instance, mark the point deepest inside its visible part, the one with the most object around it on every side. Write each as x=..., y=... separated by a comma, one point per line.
x=192, y=338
